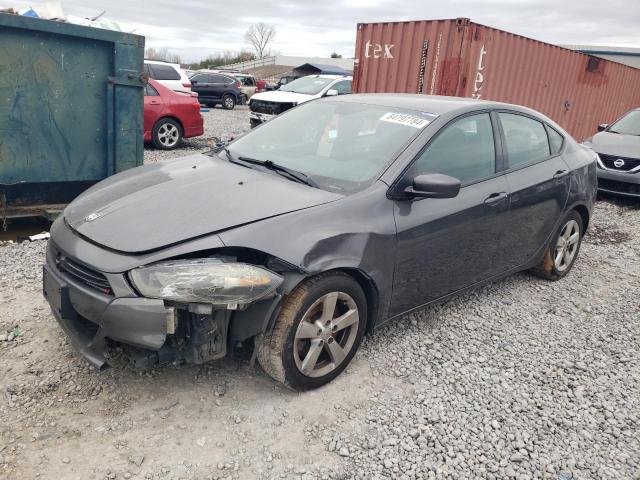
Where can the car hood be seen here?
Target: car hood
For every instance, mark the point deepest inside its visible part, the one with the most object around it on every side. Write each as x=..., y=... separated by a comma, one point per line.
x=616, y=144
x=279, y=96
x=157, y=205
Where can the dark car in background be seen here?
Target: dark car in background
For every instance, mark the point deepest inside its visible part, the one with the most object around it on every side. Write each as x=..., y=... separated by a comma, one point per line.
x=618, y=148
x=170, y=116
x=217, y=89
x=322, y=224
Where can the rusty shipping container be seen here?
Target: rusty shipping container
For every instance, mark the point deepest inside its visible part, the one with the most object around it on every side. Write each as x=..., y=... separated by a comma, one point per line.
x=465, y=59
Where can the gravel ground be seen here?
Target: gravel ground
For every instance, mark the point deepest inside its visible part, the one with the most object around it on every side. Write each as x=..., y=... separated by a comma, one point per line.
x=218, y=123
x=522, y=378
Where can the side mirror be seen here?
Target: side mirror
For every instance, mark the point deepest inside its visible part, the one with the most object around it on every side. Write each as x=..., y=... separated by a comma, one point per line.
x=332, y=92
x=602, y=127
x=433, y=185
x=193, y=82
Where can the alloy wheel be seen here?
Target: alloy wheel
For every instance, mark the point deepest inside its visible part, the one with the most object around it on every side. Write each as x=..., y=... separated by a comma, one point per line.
x=228, y=102
x=567, y=245
x=326, y=334
x=168, y=135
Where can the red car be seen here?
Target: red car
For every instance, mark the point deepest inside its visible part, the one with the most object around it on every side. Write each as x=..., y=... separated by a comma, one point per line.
x=170, y=116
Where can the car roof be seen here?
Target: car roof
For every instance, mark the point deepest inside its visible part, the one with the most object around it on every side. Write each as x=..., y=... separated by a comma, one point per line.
x=333, y=77
x=436, y=104
x=161, y=62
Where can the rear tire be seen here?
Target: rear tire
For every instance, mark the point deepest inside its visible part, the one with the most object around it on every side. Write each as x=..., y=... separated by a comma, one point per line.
x=316, y=334
x=228, y=102
x=166, y=134
x=563, y=250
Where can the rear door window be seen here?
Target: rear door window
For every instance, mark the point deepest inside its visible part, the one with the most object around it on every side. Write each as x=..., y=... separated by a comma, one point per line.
x=526, y=139
x=555, y=140
x=164, y=72
x=214, y=78
x=464, y=150
x=149, y=91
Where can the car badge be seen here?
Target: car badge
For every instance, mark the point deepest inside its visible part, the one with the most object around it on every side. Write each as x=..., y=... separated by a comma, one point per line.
x=91, y=217
x=618, y=163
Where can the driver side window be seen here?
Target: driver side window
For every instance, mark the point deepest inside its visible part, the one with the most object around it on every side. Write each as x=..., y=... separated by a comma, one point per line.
x=464, y=150
x=343, y=88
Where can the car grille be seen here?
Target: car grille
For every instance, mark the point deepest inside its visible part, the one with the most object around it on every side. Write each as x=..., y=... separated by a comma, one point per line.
x=83, y=274
x=619, y=187
x=270, y=108
x=610, y=160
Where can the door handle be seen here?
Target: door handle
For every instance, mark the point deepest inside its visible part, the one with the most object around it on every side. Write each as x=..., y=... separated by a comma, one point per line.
x=560, y=173
x=495, y=198
x=154, y=102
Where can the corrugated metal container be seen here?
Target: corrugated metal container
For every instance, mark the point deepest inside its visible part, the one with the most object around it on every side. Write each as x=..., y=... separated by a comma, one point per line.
x=70, y=110
x=465, y=59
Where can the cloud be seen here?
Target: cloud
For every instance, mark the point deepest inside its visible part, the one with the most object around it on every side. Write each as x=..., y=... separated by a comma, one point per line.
x=196, y=28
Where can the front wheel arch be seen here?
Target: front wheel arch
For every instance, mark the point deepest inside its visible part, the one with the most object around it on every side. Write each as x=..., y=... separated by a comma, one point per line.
x=367, y=284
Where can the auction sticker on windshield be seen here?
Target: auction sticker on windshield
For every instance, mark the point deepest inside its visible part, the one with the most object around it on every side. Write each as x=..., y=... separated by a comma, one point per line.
x=404, y=119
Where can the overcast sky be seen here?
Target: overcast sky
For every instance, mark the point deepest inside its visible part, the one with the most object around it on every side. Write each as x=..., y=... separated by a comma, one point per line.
x=195, y=28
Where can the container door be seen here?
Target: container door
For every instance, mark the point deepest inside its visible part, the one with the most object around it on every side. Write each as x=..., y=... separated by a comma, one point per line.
x=55, y=99
x=67, y=121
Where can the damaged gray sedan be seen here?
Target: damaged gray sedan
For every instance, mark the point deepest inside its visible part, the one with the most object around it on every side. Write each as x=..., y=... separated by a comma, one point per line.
x=315, y=228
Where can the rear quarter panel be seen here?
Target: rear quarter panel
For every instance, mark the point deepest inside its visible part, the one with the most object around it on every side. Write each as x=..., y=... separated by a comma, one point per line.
x=584, y=184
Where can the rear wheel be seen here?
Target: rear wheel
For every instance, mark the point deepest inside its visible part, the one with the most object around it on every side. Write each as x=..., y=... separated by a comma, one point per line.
x=563, y=250
x=228, y=102
x=317, y=333
x=167, y=134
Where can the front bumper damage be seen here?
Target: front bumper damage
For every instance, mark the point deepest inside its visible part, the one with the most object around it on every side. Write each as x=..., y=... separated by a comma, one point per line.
x=148, y=331
x=256, y=118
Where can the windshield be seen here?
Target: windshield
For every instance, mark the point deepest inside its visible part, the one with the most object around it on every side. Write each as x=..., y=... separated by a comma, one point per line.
x=627, y=125
x=340, y=146
x=307, y=85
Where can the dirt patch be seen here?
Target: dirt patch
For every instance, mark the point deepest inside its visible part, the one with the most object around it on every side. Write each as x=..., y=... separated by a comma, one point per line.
x=599, y=235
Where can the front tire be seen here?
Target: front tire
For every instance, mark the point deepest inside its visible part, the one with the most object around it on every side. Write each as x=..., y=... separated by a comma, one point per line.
x=317, y=332
x=563, y=249
x=167, y=134
x=228, y=102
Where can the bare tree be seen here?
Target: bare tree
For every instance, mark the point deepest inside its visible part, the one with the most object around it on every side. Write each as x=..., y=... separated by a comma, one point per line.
x=259, y=36
x=163, y=54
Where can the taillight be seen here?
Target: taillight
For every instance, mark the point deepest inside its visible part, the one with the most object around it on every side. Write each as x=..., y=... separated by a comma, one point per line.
x=186, y=85
x=238, y=84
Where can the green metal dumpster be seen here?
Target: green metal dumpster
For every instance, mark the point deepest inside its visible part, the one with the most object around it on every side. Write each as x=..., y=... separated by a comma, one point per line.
x=71, y=111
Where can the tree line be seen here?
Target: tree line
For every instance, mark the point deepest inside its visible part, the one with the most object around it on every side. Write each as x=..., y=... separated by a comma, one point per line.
x=259, y=36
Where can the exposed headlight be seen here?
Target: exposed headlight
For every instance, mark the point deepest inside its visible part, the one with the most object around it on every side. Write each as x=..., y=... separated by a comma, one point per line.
x=207, y=280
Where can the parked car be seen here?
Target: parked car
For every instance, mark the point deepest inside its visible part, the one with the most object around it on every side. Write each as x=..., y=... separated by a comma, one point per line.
x=285, y=79
x=248, y=86
x=217, y=89
x=618, y=147
x=261, y=86
x=170, y=116
x=168, y=74
x=264, y=106
x=315, y=228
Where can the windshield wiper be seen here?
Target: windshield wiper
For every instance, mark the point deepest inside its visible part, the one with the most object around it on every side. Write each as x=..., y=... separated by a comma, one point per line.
x=291, y=174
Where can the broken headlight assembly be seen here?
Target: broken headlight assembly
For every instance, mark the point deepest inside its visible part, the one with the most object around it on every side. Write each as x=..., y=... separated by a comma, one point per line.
x=207, y=280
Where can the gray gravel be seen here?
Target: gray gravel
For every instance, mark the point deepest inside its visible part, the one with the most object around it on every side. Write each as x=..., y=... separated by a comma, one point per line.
x=218, y=123
x=522, y=378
